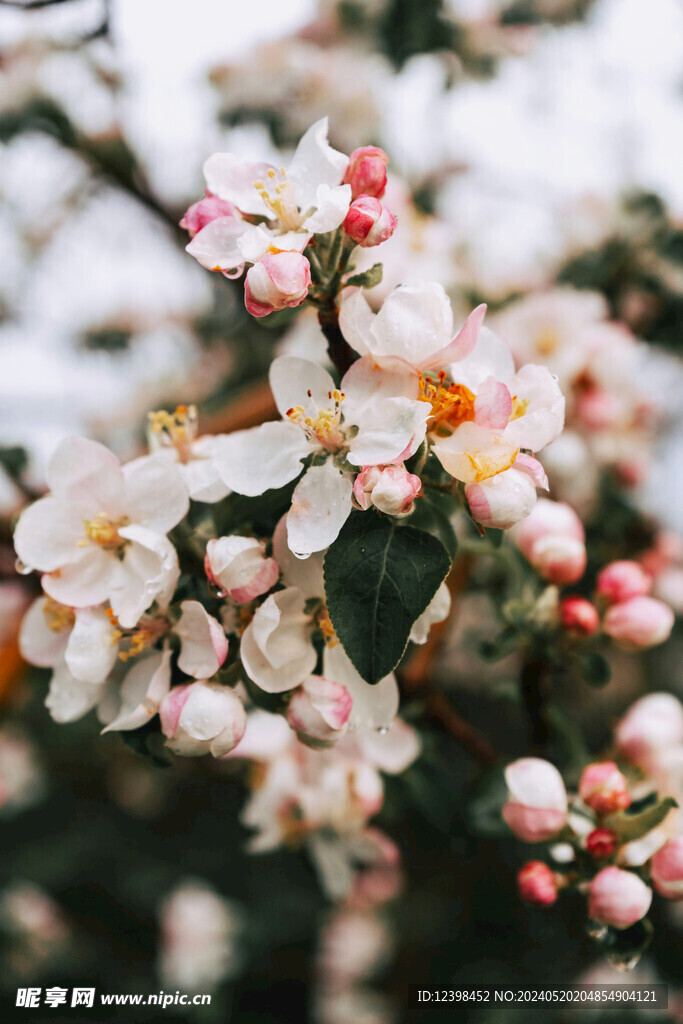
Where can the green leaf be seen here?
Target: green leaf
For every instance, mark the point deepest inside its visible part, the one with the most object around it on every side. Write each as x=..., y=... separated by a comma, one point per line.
x=432, y=514
x=379, y=578
x=484, y=810
x=368, y=278
x=632, y=826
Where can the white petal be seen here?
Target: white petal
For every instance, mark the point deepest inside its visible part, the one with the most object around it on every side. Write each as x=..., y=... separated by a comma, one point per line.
x=277, y=652
x=156, y=496
x=85, y=582
x=321, y=504
x=148, y=572
x=68, y=699
x=91, y=652
x=304, y=573
x=230, y=178
x=217, y=247
x=203, y=481
x=436, y=611
x=86, y=472
x=543, y=419
x=255, y=242
x=47, y=534
x=356, y=320
x=370, y=379
x=473, y=453
x=315, y=163
x=39, y=644
x=332, y=205
x=374, y=707
x=203, y=644
x=292, y=378
x=490, y=358
x=142, y=691
x=415, y=322
x=208, y=710
x=387, y=429
x=252, y=461
x=392, y=751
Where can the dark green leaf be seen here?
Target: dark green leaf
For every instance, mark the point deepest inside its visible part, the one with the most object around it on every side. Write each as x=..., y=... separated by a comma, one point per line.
x=432, y=514
x=368, y=278
x=632, y=826
x=379, y=578
x=484, y=812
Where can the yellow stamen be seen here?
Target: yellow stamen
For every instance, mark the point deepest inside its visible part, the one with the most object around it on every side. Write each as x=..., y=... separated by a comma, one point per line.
x=324, y=427
x=519, y=407
x=452, y=404
x=325, y=624
x=57, y=616
x=174, y=430
x=103, y=531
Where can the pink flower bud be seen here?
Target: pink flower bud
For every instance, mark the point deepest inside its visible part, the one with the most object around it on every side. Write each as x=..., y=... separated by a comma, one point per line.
x=559, y=558
x=319, y=711
x=619, y=581
x=579, y=616
x=207, y=209
x=368, y=222
x=502, y=500
x=391, y=489
x=618, y=898
x=601, y=843
x=667, y=869
x=278, y=280
x=202, y=718
x=537, y=883
x=639, y=622
x=603, y=788
x=367, y=172
x=650, y=728
x=238, y=565
x=537, y=805
x=547, y=517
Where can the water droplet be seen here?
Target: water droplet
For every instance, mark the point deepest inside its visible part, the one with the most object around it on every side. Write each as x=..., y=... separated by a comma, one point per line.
x=623, y=963
x=383, y=730
x=596, y=931
x=221, y=594
x=22, y=568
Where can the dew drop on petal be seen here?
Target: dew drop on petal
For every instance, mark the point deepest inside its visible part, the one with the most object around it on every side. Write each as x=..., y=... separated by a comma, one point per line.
x=383, y=730
x=22, y=568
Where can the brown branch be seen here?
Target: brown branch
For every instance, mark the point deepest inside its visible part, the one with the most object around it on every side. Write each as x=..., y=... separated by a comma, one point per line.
x=249, y=408
x=534, y=687
x=469, y=738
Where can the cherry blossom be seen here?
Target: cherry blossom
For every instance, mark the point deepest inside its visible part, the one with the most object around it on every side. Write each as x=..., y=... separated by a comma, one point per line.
x=100, y=535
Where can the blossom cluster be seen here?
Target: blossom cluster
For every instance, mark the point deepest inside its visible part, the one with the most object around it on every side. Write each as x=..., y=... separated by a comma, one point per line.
x=614, y=839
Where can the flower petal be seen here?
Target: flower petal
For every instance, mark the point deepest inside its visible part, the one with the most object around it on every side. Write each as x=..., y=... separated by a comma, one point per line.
x=394, y=750
x=92, y=651
x=203, y=643
x=296, y=381
x=387, y=429
x=473, y=453
x=315, y=163
x=47, y=534
x=233, y=179
x=82, y=583
x=39, y=644
x=216, y=245
x=374, y=707
x=86, y=473
x=276, y=650
x=255, y=460
x=332, y=205
x=321, y=504
x=370, y=379
x=68, y=699
x=490, y=358
x=415, y=322
x=461, y=346
x=541, y=405
x=493, y=404
x=142, y=691
x=148, y=572
x=356, y=320
x=156, y=496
